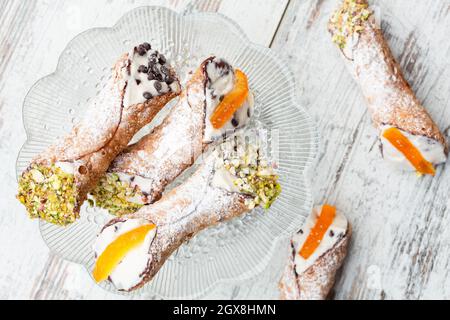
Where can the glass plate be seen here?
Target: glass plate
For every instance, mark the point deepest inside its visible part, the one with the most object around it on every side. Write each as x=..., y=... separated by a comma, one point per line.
x=233, y=251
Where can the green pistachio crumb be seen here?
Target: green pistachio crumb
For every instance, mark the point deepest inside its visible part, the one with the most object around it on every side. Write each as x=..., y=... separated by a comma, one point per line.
x=113, y=195
x=348, y=20
x=254, y=177
x=48, y=193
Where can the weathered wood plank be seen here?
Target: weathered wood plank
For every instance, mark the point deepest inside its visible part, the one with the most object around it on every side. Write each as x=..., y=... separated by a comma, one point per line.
x=400, y=248
x=256, y=14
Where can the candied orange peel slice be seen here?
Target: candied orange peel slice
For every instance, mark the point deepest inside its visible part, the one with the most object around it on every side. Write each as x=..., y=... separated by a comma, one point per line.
x=118, y=249
x=317, y=233
x=411, y=153
x=231, y=102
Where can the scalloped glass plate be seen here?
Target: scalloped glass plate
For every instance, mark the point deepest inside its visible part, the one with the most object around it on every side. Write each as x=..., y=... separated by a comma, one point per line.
x=233, y=251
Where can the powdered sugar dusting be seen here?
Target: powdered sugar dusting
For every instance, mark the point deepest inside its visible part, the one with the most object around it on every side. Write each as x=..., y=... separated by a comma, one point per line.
x=185, y=211
x=105, y=131
x=175, y=145
x=288, y=286
x=389, y=97
x=316, y=280
x=172, y=146
x=105, y=112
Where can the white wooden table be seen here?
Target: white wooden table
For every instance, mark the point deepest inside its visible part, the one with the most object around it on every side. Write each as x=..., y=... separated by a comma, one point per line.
x=401, y=242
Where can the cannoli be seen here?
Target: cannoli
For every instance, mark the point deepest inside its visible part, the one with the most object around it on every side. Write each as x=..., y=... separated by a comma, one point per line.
x=216, y=100
x=410, y=139
x=57, y=182
x=233, y=179
x=317, y=251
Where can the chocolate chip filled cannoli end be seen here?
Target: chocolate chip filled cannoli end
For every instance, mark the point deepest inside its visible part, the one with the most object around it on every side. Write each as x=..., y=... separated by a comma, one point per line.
x=215, y=102
x=410, y=139
x=56, y=183
x=232, y=180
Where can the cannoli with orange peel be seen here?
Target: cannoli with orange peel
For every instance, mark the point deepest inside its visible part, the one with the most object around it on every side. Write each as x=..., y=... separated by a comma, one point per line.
x=216, y=101
x=410, y=139
x=231, y=181
x=57, y=182
x=317, y=251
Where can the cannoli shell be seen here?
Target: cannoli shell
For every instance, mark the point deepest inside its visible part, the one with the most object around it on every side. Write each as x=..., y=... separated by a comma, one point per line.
x=105, y=131
x=316, y=282
x=390, y=99
x=172, y=146
x=183, y=212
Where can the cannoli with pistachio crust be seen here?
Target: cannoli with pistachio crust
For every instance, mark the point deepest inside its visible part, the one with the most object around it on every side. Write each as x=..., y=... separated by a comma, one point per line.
x=57, y=182
x=233, y=179
x=216, y=100
x=317, y=251
x=410, y=140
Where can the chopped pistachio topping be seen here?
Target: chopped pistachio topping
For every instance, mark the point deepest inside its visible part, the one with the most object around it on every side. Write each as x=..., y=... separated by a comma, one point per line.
x=348, y=20
x=252, y=175
x=115, y=195
x=48, y=193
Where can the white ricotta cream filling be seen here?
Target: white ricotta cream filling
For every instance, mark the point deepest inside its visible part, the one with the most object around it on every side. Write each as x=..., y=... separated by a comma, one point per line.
x=221, y=81
x=431, y=150
x=333, y=234
x=230, y=154
x=144, y=185
x=67, y=167
x=128, y=272
x=223, y=179
x=141, y=82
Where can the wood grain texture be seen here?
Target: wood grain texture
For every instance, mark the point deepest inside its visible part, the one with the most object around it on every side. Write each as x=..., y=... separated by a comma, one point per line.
x=400, y=248
x=32, y=36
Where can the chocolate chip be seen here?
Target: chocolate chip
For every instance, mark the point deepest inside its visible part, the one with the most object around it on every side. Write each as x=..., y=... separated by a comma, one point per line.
x=158, y=86
x=132, y=179
x=153, y=58
x=221, y=98
x=153, y=68
x=141, y=50
x=249, y=114
x=159, y=77
x=142, y=69
x=170, y=80
x=234, y=122
x=164, y=70
x=138, y=82
x=150, y=76
x=147, y=46
x=300, y=231
x=223, y=66
x=331, y=233
x=82, y=170
x=147, y=95
x=116, y=228
x=162, y=59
